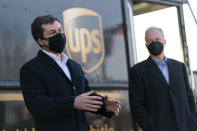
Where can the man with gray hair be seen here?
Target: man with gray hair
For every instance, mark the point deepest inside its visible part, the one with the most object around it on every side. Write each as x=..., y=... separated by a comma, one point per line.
x=160, y=95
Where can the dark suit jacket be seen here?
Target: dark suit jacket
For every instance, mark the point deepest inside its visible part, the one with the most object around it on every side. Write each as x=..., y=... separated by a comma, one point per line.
x=49, y=94
x=157, y=106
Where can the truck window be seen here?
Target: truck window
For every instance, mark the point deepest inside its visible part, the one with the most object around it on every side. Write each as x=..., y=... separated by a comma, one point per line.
x=165, y=18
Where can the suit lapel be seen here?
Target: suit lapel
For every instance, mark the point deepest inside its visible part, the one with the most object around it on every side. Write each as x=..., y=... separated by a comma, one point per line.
x=75, y=75
x=171, y=70
x=153, y=69
x=52, y=63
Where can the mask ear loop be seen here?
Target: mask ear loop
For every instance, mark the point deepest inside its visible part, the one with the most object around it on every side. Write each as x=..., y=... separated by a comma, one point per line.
x=45, y=47
x=45, y=39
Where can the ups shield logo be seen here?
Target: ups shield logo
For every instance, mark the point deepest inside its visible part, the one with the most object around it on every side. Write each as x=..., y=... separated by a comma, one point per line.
x=83, y=28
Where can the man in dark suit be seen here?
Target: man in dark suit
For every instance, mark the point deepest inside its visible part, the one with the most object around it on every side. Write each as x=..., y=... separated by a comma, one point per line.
x=160, y=95
x=54, y=87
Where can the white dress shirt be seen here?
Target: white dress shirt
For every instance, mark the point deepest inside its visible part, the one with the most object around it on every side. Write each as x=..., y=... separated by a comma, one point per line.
x=61, y=62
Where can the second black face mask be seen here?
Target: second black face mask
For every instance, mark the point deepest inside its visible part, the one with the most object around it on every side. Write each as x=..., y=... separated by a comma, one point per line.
x=155, y=48
x=57, y=42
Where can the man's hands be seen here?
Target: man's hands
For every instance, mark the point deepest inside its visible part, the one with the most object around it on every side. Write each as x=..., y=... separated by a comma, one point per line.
x=87, y=102
x=93, y=103
x=112, y=105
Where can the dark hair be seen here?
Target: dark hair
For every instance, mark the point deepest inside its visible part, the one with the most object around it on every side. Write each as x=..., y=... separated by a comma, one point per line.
x=36, y=26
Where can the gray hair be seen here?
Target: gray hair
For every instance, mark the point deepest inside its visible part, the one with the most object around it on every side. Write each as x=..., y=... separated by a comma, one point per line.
x=154, y=28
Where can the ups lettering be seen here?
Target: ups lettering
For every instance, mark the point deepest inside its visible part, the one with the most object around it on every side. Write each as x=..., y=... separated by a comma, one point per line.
x=84, y=41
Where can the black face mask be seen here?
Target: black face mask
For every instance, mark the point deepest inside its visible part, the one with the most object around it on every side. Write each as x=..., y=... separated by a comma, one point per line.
x=155, y=48
x=57, y=42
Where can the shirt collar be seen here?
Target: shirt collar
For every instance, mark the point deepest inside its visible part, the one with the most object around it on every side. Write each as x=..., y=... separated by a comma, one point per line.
x=160, y=62
x=64, y=58
x=57, y=58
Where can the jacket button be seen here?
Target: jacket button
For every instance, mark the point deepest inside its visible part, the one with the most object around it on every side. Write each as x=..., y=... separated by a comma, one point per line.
x=74, y=87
